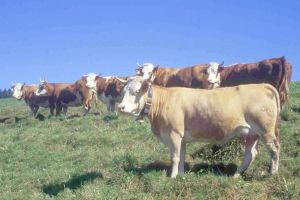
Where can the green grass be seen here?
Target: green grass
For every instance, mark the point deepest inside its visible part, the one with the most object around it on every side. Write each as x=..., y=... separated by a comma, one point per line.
x=107, y=156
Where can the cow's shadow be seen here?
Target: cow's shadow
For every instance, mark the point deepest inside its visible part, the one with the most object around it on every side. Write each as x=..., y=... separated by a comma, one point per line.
x=218, y=169
x=73, y=116
x=74, y=183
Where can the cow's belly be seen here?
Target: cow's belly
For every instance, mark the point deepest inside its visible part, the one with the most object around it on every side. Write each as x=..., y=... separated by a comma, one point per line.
x=104, y=99
x=75, y=101
x=217, y=133
x=44, y=104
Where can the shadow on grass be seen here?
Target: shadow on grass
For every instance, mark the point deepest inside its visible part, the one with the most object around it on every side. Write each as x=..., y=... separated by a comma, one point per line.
x=94, y=113
x=40, y=117
x=73, y=116
x=110, y=117
x=4, y=119
x=219, y=169
x=74, y=183
x=296, y=109
x=19, y=119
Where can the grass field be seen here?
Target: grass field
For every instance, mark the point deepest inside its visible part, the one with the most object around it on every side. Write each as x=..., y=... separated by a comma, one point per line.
x=107, y=156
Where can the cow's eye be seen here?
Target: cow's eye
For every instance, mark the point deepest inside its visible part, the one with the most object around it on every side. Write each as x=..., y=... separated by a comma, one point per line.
x=137, y=91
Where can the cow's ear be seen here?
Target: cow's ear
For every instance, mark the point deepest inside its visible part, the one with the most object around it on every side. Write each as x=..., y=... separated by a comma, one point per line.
x=155, y=69
x=220, y=69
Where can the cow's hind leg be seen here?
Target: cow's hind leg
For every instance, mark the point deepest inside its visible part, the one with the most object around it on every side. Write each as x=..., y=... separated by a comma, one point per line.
x=273, y=147
x=250, y=142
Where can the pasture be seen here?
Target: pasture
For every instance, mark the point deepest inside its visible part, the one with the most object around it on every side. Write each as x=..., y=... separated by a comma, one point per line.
x=108, y=156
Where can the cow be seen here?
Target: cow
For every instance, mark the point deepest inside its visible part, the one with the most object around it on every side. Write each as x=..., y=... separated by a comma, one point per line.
x=27, y=92
x=192, y=77
x=275, y=71
x=108, y=89
x=63, y=95
x=178, y=115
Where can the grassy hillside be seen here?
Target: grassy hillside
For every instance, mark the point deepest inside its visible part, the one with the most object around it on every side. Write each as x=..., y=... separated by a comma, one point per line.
x=104, y=156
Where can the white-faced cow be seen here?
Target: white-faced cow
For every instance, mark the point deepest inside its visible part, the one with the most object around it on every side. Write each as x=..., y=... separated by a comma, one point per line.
x=63, y=95
x=108, y=89
x=191, y=77
x=275, y=71
x=27, y=92
x=179, y=115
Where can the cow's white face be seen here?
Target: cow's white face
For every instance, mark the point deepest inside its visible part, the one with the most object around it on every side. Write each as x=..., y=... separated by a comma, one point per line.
x=134, y=96
x=91, y=81
x=213, y=74
x=145, y=70
x=41, y=89
x=17, y=90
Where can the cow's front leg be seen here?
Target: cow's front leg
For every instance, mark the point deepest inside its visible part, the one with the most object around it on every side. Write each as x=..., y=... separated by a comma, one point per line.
x=35, y=110
x=65, y=109
x=113, y=106
x=174, y=141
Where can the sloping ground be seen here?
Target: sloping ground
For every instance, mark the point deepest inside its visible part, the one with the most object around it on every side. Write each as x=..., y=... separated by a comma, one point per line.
x=104, y=156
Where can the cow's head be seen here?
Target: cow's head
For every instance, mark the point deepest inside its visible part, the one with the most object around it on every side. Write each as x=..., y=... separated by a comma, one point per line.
x=135, y=95
x=91, y=81
x=18, y=90
x=145, y=70
x=41, y=88
x=213, y=70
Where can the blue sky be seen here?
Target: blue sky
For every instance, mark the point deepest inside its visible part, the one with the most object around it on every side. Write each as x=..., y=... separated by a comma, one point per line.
x=62, y=40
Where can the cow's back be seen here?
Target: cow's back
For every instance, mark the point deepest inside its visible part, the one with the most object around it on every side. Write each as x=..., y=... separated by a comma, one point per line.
x=191, y=77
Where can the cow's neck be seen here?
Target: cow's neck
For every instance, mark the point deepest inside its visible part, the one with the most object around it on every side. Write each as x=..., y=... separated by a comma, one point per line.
x=148, y=104
x=159, y=95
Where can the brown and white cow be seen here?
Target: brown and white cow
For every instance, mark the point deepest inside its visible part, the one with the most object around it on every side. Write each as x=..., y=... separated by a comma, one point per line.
x=179, y=115
x=108, y=89
x=193, y=77
x=275, y=71
x=63, y=95
x=27, y=92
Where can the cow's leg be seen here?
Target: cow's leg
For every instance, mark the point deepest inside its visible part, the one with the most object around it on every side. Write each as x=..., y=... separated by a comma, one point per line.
x=113, y=106
x=174, y=141
x=58, y=108
x=51, y=110
x=182, y=157
x=32, y=110
x=87, y=106
x=250, y=153
x=65, y=109
x=35, y=110
x=273, y=147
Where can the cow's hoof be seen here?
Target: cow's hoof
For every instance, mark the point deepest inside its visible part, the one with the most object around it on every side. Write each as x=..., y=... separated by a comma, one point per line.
x=140, y=121
x=236, y=175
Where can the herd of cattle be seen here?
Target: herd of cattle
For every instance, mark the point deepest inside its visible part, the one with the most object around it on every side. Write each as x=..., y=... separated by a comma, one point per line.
x=207, y=102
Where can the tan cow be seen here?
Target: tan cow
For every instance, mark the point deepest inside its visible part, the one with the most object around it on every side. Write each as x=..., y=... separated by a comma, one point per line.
x=27, y=92
x=179, y=115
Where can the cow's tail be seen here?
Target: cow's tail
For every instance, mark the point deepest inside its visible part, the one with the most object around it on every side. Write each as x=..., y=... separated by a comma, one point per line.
x=283, y=88
x=278, y=104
